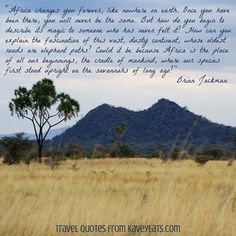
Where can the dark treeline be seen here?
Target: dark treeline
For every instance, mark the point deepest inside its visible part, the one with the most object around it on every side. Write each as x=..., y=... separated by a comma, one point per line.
x=19, y=149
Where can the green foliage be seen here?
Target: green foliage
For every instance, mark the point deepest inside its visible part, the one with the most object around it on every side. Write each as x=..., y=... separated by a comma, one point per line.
x=202, y=160
x=120, y=131
x=74, y=151
x=209, y=153
x=123, y=150
x=184, y=155
x=213, y=151
x=17, y=149
x=67, y=107
x=36, y=104
x=30, y=155
x=70, y=150
x=174, y=154
x=99, y=151
x=177, y=154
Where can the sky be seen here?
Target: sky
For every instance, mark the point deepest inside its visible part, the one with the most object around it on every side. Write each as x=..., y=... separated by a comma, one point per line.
x=215, y=102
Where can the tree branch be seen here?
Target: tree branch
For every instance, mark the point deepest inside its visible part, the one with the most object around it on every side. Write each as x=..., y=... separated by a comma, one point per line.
x=50, y=126
x=24, y=116
x=58, y=122
x=33, y=114
x=35, y=131
x=32, y=120
x=49, y=117
x=53, y=115
x=46, y=133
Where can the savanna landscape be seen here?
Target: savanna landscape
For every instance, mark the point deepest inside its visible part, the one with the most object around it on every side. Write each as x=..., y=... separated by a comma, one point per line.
x=200, y=198
x=140, y=170
x=117, y=118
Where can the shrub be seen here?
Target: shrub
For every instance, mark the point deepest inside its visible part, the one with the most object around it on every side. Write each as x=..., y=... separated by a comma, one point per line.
x=73, y=151
x=202, y=160
x=16, y=149
x=213, y=151
x=209, y=153
x=174, y=154
x=30, y=155
x=99, y=151
x=123, y=150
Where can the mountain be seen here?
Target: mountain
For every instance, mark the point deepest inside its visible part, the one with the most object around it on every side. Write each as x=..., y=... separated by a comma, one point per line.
x=54, y=132
x=165, y=123
x=51, y=134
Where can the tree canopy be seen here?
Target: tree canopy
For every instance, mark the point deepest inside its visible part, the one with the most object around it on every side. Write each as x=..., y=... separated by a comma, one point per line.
x=43, y=107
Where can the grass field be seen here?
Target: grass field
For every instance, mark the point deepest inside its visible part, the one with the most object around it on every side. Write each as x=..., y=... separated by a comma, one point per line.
x=201, y=199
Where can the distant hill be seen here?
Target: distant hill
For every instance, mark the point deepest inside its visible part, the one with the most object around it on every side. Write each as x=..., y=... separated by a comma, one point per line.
x=51, y=134
x=165, y=123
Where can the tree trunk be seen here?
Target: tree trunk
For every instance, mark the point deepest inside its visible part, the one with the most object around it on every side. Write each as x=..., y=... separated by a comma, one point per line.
x=40, y=154
x=119, y=145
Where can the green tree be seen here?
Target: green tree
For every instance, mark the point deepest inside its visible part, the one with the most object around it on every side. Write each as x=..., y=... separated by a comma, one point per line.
x=121, y=149
x=120, y=131
x=44, y=108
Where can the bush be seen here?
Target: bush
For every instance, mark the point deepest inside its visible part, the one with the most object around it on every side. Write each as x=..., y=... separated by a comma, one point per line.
x=30, y=155
x=16, y=149
x=71, y=151
x=174, y=154
x=209, y=153
x=123, y=150
x=99, y=151
x=74, y=151
x=177, y=154
x=202, y=160
x=213, y=151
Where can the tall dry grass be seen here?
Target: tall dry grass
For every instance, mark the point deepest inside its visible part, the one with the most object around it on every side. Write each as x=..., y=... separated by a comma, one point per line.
x=119, y=191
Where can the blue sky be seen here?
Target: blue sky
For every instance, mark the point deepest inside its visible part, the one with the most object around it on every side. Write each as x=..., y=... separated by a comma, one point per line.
x=214, y=102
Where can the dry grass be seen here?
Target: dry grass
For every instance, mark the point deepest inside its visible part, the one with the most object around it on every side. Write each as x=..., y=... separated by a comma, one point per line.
x=119, y=191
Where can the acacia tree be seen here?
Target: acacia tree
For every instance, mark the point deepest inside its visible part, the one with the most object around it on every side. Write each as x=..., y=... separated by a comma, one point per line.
x=44, y=108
